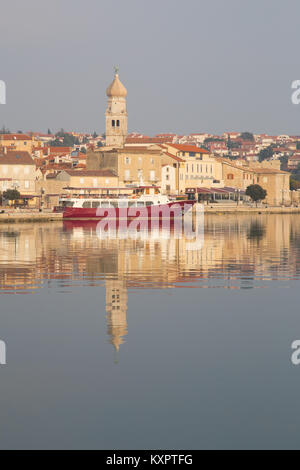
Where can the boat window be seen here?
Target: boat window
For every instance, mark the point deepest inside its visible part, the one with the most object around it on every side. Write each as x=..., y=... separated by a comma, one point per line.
x=86, y=204
x=131, y=204
x=122, y=203
x=114, y=203
x=67, y=203
x=105, y=204
x=149, y=203
x=95, y=204
x=140, y=204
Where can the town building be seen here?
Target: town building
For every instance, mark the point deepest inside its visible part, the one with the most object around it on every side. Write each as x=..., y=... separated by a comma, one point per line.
x=18, y=171
x=18, y=142
x=93, y=180
x=192, y=167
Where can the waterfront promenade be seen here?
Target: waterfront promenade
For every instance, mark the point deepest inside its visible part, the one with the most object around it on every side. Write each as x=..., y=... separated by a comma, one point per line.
x=13, y=216
x=29, y=216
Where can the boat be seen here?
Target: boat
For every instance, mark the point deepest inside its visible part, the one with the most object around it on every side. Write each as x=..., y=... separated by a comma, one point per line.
x=144, y=201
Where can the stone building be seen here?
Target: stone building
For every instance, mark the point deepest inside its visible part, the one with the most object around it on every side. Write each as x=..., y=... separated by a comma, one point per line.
x=274, y=181
x=133, y=165
x=116, y=114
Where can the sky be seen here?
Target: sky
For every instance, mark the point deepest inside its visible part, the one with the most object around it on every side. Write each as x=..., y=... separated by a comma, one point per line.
x=189, y=66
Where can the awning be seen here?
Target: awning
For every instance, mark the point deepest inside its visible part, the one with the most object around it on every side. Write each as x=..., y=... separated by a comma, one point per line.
x=225, y=190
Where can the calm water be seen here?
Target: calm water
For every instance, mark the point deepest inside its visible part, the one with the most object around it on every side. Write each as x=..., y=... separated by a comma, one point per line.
x=142, y=343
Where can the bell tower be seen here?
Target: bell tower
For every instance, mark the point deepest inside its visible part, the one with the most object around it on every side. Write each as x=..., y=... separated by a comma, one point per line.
x=116, y=113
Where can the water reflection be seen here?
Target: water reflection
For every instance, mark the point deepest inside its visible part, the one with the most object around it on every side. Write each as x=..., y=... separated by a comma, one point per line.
x=238, y=252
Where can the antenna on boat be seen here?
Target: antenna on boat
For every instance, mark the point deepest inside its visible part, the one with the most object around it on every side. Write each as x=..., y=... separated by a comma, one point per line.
x=141, y=181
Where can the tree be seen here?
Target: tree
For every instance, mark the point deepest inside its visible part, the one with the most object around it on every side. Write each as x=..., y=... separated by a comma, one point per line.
x=265, y=153
x=83, y=150
x=64, y=139
x=256, y=192
x=95, y=135
x=294, y=184
x=11, y=195
x=49, y=132
x=246, y=136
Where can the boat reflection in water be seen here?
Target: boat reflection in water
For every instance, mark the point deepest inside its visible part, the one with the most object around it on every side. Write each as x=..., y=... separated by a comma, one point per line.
x=237, y=252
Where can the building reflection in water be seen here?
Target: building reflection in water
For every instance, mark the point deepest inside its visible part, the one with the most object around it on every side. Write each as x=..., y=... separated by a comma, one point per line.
x=238, y=252
x=116, y=311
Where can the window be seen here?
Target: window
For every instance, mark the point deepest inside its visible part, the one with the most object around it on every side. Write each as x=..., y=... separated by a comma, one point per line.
x=191, y=154
x=140, y=204
x=127, y=175
x=95, y=204
x=81, y=180
x=86, y=204
x=230, y=176
x=149, y=203
x=265, y=179
x=152, y=175
x=187, y=168
x=131, y=203
x=167, y=177
x=118, y=123
x=152, y=161
x=167, y=169
x=140, y=160
x=192, y=168
x=122, y=204
x=197, y=167
x=95, y=182
x=105, y=204
x=114, y=204
x=113, y=123
x=25, y=143
x=27, y=184
x=127, y=160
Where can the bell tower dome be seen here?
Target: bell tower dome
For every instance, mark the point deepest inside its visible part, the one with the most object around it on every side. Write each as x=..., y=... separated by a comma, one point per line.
x=116, y=113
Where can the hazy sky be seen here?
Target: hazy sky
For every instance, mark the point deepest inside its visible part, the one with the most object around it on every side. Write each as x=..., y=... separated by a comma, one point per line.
x=189, y=66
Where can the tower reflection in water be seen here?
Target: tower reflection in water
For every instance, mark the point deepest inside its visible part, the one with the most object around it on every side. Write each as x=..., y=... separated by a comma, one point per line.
x=238, y=252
